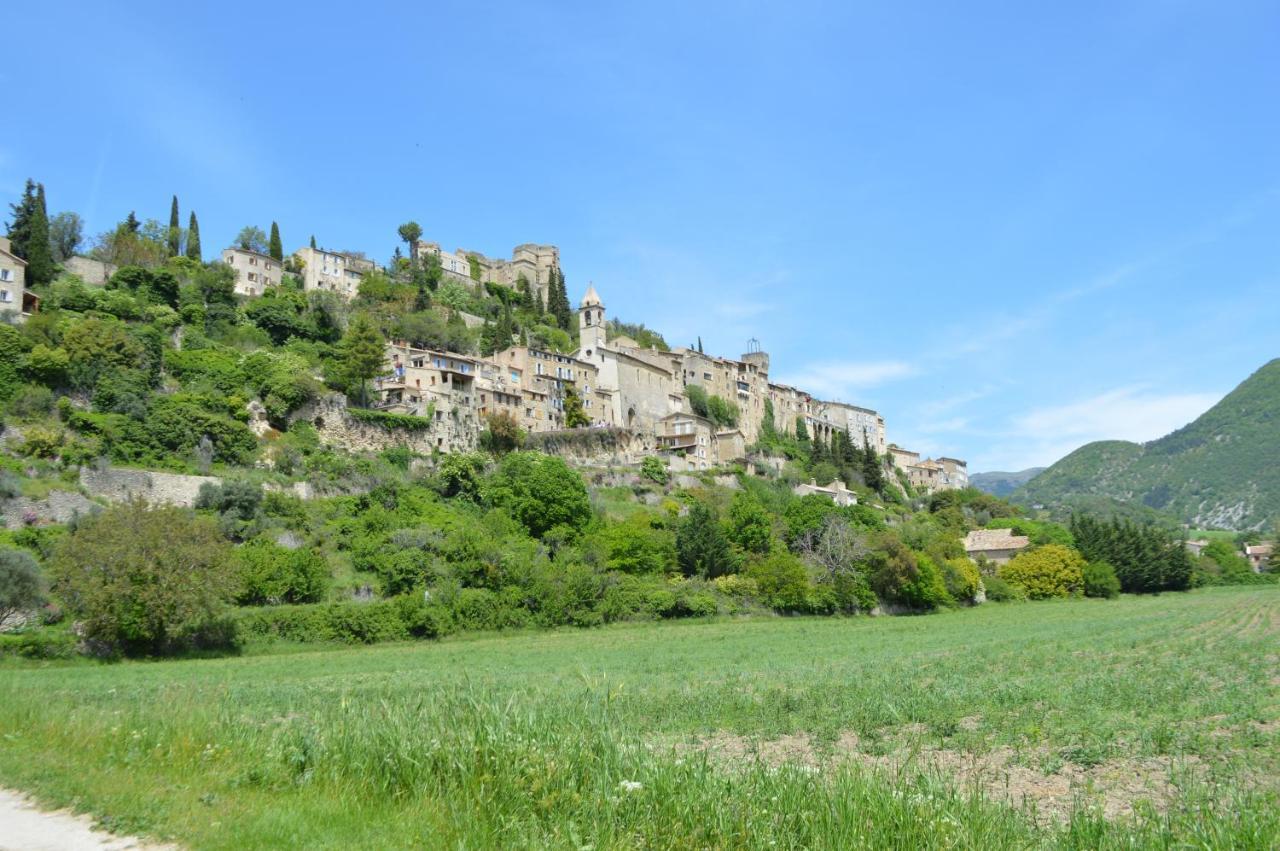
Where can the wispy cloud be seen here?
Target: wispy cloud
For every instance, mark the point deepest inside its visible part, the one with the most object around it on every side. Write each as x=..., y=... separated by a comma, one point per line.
x=844, y=379
x=1043, y=435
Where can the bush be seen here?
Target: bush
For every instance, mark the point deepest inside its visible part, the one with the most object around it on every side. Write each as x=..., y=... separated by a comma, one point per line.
x=21, y=585
x=783, y=582
x=701, y=546
x=271, y=574
x=961, y=578
x=39, y=644
x=31, y=402
x=654, y=470
x=540, y=492
x=349, y=623
x=999, y=591
x=638, y=546
x=1049, y=571
x=1100, y=580
x=144, y=580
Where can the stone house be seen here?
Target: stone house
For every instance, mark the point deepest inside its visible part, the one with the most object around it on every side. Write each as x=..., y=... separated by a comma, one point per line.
x=687, y=440
x=542, y=378
x=332, y=271
x=955, y=473
x=14, y=297
x=1196, y=547
x=903, y=458
x=743, y=382
x=864, y=426
x=1258, y=556
x=438, y=385
x=997, y=545
x=255, y=273
x=837, y=492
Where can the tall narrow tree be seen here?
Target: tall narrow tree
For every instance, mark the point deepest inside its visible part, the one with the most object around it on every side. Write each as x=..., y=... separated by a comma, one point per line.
x=175, y=229
x=40, y=266
x=19, y=230
x=313, y=240
x=193, y=238
x=276, y=248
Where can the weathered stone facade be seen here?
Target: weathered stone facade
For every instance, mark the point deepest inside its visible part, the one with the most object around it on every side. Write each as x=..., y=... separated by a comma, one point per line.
x=255, y=273
x=332, y=271
x=337, y=427
x=119, y=484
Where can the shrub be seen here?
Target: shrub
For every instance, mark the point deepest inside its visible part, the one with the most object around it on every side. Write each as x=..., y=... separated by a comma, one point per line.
x=783, y=582
x=999, y=591
x=961, y=578
x=144, y=580
x=21, y=585
x=905, y=578
x=31, y=402
x=1100, y=580
x=272, y=574
x=1049, y=571
x=750, y=526
x=349, y=622
x=540, y=492
x=654, y=470
x=637, y=546
x=39, y=644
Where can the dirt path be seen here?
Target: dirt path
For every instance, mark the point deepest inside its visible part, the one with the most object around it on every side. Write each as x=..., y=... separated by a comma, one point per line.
x=25, y=827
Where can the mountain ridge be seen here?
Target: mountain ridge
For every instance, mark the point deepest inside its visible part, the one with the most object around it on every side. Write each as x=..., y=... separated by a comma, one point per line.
x=1220, y=471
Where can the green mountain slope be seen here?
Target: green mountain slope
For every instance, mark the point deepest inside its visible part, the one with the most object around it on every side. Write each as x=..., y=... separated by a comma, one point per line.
x=1223, y=470
x=1002, y=484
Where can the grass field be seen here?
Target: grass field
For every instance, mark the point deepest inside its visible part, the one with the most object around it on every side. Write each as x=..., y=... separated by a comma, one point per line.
x=1141, y=722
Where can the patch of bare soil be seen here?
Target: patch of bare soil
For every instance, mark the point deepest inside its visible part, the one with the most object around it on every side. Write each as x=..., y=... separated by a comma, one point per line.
x=1115, y=787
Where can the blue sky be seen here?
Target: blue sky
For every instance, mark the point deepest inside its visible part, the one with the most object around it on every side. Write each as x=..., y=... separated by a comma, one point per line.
x=1010, y=231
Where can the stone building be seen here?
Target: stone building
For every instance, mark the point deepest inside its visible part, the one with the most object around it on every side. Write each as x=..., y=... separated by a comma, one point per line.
x=641, y=386
x=14, y=297
x=929, y=475
x=955, y=473
x=535, y=262
x=332, y=271
x=687, y=441
x=864, y=426
x=440, y=386
x=1259, y=556
x=542, y=380
x=255, y=273
x=998, y=546
x=744, y=382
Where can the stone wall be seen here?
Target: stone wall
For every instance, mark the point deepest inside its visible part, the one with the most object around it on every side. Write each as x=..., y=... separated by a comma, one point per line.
x=338, y=428
x=57, y=507
x=116, y=484
x=594, y=446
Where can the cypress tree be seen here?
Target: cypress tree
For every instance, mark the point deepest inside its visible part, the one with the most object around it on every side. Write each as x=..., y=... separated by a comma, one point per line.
x=802, y=431
x=175, y=229
x=276, y=249
x=193, y=238
x=40, y=267
x=132, y=222
x=20, y=227
x=313, y=241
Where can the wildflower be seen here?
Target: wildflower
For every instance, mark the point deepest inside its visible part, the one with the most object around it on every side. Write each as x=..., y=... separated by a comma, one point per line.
x=630, y=786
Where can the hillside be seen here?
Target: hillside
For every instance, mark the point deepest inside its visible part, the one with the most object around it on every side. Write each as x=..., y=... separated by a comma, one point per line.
x=1220, y=471
x=1001, y=483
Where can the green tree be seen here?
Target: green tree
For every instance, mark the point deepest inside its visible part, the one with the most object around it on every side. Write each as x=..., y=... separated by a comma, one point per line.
x=574, y=414
x=1049, y=571
x=21, y=585
x=193, y=237
x=411, y=233
x=502, y=434
x=313, y=240
x=1100, y=580
x=175, y=229
x=145, y=580
x=361, y=354
x=29, y=235
x=541, y=492
x=275, y=248
x=872, y=468
x=750, y=526
x=802, y=430
x=66, y=232
x=252, y=238
x=701, y=546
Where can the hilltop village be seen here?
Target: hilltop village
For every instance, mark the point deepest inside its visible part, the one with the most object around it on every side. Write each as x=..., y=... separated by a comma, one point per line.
x=607, y=381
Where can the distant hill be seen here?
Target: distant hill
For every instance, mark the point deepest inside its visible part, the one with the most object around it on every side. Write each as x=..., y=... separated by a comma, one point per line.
x=1003, y=484
x=1221, y=471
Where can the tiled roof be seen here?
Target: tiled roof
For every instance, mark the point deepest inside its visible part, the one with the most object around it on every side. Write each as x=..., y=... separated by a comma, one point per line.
x=994, y=539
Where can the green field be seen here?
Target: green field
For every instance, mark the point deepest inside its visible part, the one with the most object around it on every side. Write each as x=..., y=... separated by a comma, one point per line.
x=1143, y=722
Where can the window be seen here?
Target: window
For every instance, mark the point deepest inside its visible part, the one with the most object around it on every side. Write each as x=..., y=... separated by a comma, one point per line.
x=6, y=274
x=6, y=296
x=253, y=261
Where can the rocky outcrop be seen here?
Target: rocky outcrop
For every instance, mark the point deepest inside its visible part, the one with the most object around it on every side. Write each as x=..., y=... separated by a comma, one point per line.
x=338, y=428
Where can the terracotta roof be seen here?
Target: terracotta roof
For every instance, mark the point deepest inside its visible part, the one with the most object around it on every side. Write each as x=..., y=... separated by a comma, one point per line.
x=980, y=540
x=1258, y=550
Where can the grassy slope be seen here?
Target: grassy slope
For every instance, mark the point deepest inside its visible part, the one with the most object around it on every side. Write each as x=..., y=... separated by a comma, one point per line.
x=524, y=740
x=1217, y=471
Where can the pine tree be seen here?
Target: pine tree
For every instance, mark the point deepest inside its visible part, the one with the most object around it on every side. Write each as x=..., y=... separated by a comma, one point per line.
x=193, y=238
x=40, y=266
x=132, y=223
x=872, y=470
x=361, y=353
x=421, y=301
x=276, y=249
x=538, y=307
x=175, y=229
x=19, y=231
